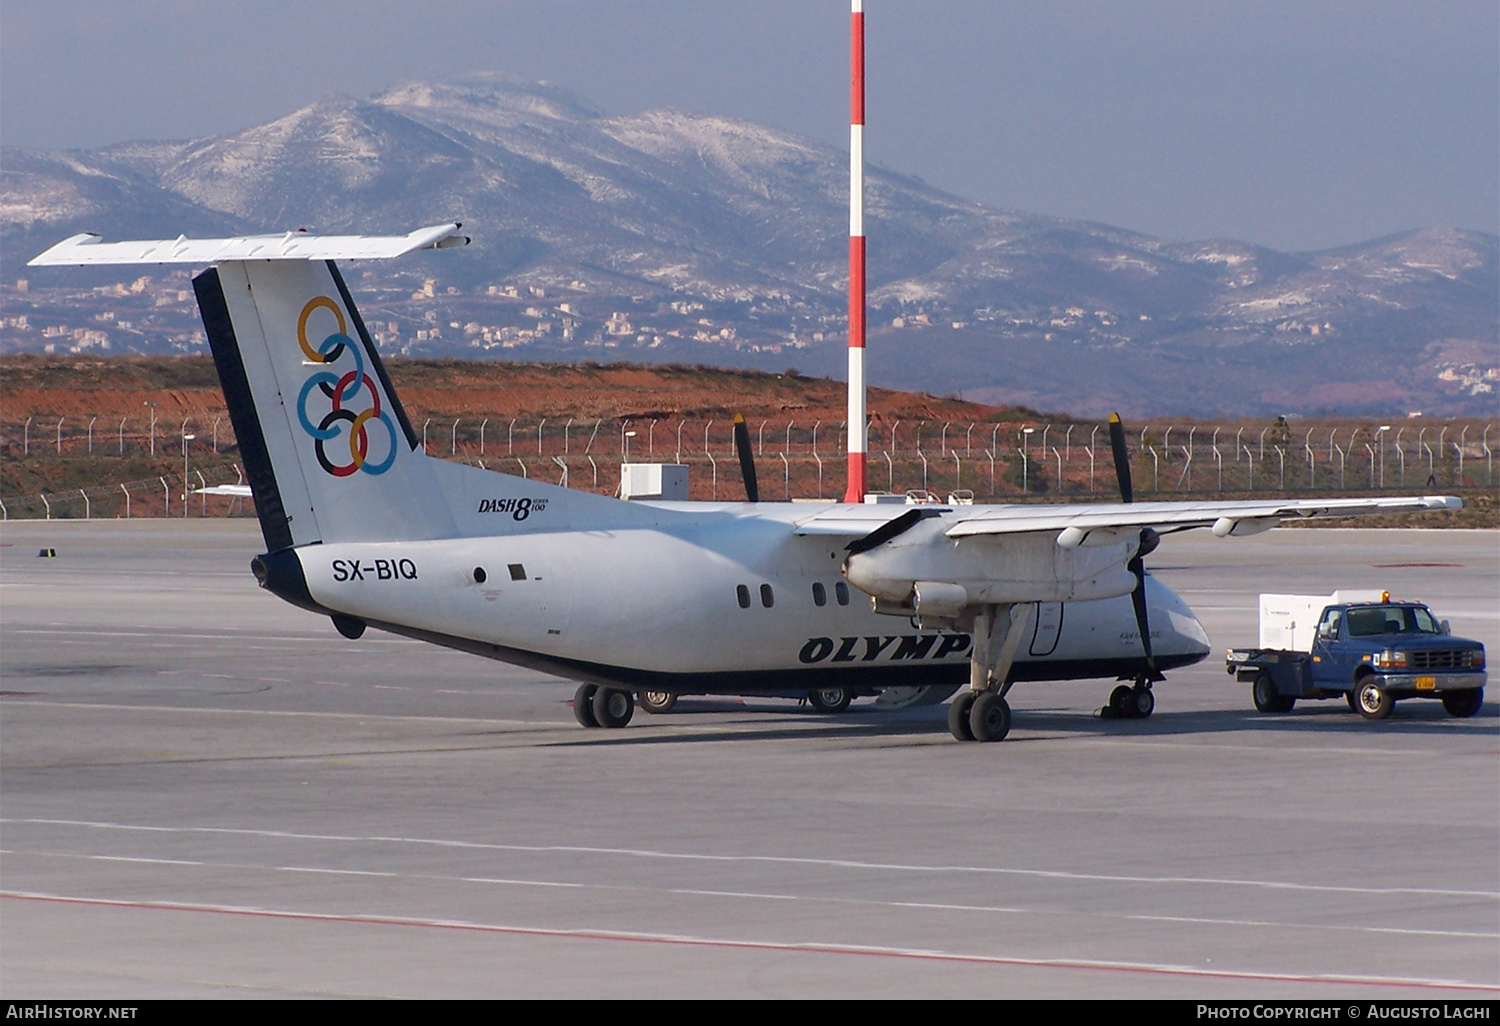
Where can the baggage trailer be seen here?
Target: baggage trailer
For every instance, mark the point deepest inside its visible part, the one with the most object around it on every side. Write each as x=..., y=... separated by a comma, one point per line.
x=1363, y=647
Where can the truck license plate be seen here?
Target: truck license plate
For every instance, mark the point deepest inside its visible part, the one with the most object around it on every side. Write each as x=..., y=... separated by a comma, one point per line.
x=1426, y=683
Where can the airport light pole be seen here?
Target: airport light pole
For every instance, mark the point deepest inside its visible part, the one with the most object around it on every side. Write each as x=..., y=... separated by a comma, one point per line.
x=186, y=438
x=1380, y=441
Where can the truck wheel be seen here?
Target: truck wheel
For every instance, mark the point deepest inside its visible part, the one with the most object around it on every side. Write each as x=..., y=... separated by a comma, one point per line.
x=1463, y=703
x=1373, y=700
x=1352, y=697
x=1268, y=699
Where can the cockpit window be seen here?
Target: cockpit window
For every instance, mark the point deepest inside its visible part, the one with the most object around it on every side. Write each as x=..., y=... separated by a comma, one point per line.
x=1376, y=620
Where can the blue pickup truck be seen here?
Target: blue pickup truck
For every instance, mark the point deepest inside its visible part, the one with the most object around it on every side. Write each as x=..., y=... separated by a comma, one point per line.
x=1371, y=651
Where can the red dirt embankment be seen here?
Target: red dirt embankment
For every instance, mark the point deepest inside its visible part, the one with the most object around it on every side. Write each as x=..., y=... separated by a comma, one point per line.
x=46, y=387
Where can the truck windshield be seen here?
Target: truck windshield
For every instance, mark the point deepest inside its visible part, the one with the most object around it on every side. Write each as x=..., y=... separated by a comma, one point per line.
x=1370, y=621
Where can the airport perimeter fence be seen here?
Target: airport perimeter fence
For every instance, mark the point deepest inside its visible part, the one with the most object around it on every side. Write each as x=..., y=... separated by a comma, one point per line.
x=794, y=459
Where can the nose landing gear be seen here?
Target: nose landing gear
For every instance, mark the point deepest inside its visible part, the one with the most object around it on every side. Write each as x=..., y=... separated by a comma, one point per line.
x=1128, y=702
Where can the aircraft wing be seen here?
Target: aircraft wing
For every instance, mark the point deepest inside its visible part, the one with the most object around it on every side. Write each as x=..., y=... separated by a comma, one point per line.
x=942, y=561
x=89, y=249
x=1074, y=522
x=1239, y=517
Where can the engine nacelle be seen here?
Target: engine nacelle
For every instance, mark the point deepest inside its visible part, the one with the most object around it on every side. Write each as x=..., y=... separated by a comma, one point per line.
x=988, y=568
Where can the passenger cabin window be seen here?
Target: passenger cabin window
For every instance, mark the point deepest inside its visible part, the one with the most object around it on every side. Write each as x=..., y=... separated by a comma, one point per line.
x=517, y=572
x=743, y=594
x=820, y=594
x=767, y=599
x=841, y=592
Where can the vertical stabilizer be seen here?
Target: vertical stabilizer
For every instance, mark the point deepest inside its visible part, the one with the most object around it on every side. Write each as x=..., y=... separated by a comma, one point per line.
x=328, y=450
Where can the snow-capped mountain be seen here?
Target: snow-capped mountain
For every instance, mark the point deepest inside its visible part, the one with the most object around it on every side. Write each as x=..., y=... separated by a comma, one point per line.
x=672, y=235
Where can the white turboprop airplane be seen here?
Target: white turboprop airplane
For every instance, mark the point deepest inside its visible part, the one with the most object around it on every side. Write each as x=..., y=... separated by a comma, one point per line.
x=667, y=597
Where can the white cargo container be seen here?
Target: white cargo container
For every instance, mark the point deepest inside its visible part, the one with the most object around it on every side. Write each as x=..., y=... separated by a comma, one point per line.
x=1290, y=622
x=667, y=481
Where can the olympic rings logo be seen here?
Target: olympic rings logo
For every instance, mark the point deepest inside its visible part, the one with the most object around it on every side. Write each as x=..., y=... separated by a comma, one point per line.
x=340, y=393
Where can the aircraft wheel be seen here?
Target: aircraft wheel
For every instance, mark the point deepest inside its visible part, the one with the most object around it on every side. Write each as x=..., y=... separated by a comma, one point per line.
x=613, y=707
x=1119, y=701
x=657, y=701
x=1142, y=702
x=1375, y=702
x=989, y=719
x=1463, y=703
x=583, y=705
x=830, y=700
x=958, y=715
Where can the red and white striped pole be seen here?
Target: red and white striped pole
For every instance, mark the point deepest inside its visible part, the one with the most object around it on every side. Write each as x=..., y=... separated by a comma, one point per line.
x=857, y=428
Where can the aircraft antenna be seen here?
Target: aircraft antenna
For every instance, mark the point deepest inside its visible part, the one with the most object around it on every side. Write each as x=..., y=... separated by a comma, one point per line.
x=857, y=428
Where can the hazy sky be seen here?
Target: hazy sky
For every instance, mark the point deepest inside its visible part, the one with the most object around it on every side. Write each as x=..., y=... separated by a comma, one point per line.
x=1294, y=123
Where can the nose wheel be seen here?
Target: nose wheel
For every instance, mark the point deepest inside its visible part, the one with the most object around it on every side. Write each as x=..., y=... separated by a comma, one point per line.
x=1128, y=702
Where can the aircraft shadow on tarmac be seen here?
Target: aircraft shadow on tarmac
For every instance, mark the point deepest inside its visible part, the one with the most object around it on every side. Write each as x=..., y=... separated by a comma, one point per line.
x=1322, y=719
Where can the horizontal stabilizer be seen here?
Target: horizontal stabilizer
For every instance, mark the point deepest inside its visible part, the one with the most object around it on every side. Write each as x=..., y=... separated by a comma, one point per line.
x=88, y=249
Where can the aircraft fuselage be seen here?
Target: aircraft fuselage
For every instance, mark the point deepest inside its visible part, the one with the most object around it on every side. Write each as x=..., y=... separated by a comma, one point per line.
x=672, y=605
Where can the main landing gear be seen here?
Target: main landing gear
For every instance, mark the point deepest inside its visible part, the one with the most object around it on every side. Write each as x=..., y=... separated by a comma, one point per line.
x=595, y=705
x=981, y=713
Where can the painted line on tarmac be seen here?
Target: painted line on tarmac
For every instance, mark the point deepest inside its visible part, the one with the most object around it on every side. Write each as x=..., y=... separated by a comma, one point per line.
x=534, y=725
x=796, y=947
x=766, y=896
x=781, y=860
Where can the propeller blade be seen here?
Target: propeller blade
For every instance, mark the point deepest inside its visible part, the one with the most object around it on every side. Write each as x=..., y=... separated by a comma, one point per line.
x=1149, y=540
x=1142, y=623
x=1122, y=457
x=1139, y=600
x=747, y=459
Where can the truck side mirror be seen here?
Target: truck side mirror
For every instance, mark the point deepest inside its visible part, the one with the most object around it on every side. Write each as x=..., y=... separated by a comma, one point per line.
x=1447, y=627
x=1325, y=632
